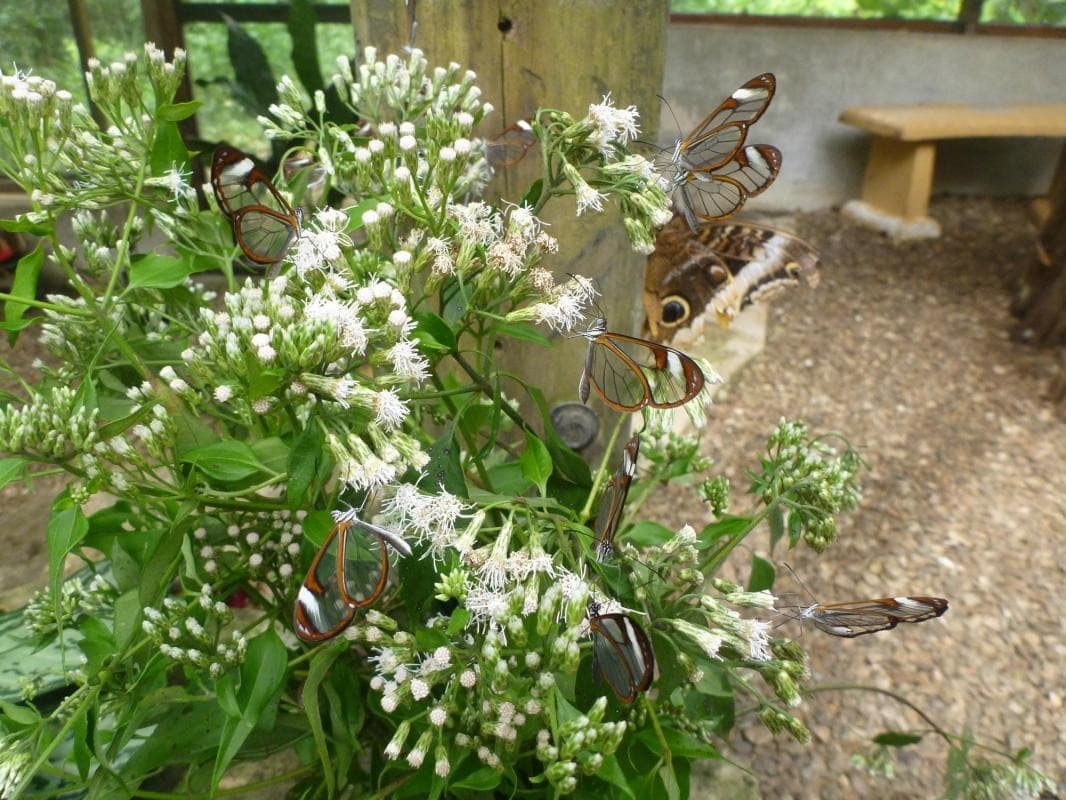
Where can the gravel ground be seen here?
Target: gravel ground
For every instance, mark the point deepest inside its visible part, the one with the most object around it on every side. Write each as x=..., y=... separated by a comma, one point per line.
x=904, y=349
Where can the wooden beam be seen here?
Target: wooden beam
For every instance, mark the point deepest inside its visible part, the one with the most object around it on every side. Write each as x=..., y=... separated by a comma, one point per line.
x=258, y=12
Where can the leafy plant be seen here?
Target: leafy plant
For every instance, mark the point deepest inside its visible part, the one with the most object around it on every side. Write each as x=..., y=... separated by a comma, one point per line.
x=227, y=426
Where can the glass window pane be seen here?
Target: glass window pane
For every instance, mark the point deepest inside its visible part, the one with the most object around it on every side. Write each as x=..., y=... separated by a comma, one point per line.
x=1024, y=12
x=868, y=9
x=223, y=117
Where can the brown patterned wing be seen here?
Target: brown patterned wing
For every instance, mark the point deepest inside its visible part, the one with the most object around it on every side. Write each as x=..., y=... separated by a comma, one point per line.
x=722, y=269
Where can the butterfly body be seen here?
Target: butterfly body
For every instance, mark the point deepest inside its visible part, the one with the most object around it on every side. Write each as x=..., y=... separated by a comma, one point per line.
x=264, y=224
x=614, y=499
x=719, y=269
x=712, y=171
x=629, y=373
x=348, y=573
x=623, y=654
x=860, y=617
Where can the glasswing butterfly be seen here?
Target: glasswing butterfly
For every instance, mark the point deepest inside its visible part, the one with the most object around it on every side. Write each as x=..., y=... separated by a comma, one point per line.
x=614, y=499
x=622, y=654
x=349, y=572
x=510, y=145
x=859, y=617
x=615, y=365
x=714, y=172
x=264, y=223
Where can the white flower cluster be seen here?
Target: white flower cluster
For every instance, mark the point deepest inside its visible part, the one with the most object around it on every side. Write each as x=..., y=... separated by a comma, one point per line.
x=263, y=544
x=55, y=424
x=578, y=746
x=183, y=637
x=78, y=598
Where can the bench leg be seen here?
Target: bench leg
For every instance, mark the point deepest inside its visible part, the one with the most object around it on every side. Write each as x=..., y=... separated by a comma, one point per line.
x=899, y=177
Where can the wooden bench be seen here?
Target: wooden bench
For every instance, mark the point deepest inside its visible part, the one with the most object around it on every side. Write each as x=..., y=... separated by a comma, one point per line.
x=899, y=174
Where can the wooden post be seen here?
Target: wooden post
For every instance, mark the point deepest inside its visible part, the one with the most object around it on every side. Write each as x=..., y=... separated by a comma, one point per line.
x=162, y=25
x=899, y=177
x=562, y=54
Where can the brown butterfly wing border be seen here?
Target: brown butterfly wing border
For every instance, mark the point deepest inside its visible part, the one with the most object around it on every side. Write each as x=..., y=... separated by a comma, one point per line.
x=715, y=172
x=860, y=617
x=630, y=389
x=238, y=185
x=623, y=655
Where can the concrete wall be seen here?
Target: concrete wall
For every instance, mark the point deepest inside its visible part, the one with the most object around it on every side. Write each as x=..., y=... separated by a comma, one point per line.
x=822, y=71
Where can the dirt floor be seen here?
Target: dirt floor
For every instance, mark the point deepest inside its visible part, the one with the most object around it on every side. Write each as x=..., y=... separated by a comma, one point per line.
x=904, y=349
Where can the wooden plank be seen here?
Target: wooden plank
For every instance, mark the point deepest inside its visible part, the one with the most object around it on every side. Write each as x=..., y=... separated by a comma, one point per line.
x=923, y=122
x=899, y=177
x=562, y=54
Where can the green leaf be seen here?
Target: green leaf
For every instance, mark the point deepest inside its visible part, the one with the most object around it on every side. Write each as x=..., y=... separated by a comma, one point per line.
x=168, y=149
x=27, y=273
x=523, y=331
x=98, y=644
x=301, y=24
x=176, y=112
x=896, y=739
x=430, y=639
x=481, y=780
x=444, y=468
x=67, y=526
x=272, y=453
x=160, y=566
x=762, y=574
x=458, y=621
x=611, y=772
x=536, y=462
x=726, y=527
x=304, y=458
x=228, y=460
x=12, y=469
x=24, y=225
x=570, y=465
x=255, y=87
x=433, y=332
x=647, y=534
x=319, y=669
x=532, y=195
x=156, y=271
x=262, y=678
x=127, y=617
x=355, y=213
x=776, y=520
x=22, y=715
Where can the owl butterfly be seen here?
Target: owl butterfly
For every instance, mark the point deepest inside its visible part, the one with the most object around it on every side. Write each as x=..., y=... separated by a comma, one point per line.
x=721, y=268
x=510, y=146
x=622, y=654
x=349, y=572
x=630, y=373
x=859, y=617
x=264, y=223
x=614, y=499
x=713, y=171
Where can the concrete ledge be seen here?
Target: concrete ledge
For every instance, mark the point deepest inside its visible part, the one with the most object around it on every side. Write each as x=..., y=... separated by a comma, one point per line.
x=896, y=228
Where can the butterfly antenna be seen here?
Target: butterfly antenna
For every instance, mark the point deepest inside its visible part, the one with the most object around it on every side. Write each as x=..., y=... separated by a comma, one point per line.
x=799, y=580
x=665, y=102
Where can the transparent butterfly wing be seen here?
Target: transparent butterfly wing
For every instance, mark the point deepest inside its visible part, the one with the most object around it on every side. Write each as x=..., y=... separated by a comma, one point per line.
x=614, y=499
x=511, y=145
x=264, y=235
x=860, y=617
x=709, y=142
x=321, y=611
x=626, y=366
x=707, y=196
x=264, y=224
x=362, y=565
x=623, y=655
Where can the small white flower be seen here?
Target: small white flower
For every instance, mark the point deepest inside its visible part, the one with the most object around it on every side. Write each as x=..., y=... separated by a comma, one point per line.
x=587, y=197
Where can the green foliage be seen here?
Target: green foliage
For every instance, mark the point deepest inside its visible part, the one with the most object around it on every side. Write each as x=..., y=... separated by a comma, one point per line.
x=228, y=428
